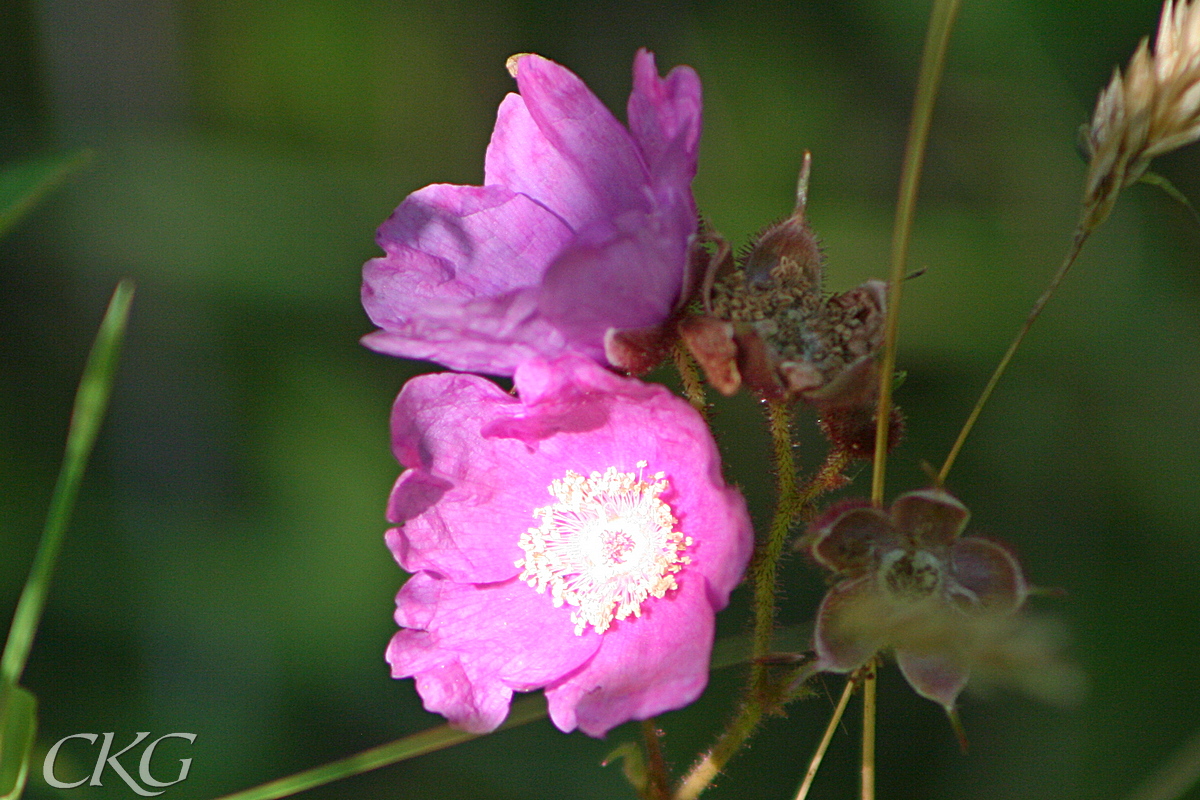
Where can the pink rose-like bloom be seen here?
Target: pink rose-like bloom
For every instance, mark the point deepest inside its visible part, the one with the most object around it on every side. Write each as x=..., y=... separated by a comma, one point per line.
x=577, y=538
x=581, y=230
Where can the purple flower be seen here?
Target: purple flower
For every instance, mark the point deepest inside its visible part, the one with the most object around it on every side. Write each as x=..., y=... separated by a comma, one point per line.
x=577, y=538
x=909, y=581
x=580, y=232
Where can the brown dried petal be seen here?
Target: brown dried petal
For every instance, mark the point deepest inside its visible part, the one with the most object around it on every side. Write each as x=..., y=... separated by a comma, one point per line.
x=712, y=344
x=801, y=378
x=756, y=361
x=856, y=384
x=638, y=350
x=844, y=538
x=990, y=572
x=934, y=676
x=866, y=303
x=930, y=519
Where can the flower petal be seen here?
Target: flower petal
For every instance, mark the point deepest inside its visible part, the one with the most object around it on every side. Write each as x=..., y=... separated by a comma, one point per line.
x=507, y=629
x=645, y=666
x=640, y=422
x=935, y=677
x=845, y=536
x=446, y=688
x=930, y=518
x=851, y=625
x=521, y=158
x=480, y=463
x=607, y=175
x=484, y=497
x=664, y=118
x=569, y=240
x=990, y=573
x=483, y=239
x=453, y=285
x=490, y=335
x=474, y=644
x=627, y=277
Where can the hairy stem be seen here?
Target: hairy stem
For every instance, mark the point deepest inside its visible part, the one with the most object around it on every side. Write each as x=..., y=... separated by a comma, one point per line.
x=766, y=559
x=693, y=387
x=792, y=503
x=1081, y=236
x=659, y=782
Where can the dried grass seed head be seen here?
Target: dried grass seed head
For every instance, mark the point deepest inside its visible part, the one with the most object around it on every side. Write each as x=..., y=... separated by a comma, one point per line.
x=1152, y=109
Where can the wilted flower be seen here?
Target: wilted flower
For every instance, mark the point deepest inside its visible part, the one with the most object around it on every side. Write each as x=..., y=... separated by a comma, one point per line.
x=768, y=325
x=1153, y=109
x=577, y=241
x=577, y=538
x=908, y=580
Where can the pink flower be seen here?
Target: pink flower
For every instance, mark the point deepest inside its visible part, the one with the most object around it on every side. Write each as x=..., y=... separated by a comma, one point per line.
x=577, y=538
x=908, y=580
x=581, y=230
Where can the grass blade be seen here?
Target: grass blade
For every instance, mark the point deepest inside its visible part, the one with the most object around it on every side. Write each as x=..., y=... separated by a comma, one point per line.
x=91, y=401
x=25, y=183
x=527, y=709
x=18, y=724
x=726, y=653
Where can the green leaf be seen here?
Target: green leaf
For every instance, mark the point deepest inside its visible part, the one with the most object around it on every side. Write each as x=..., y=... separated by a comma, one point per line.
x=1156, y=180
x=25, y=183
x=91, y=401
x=18, y=724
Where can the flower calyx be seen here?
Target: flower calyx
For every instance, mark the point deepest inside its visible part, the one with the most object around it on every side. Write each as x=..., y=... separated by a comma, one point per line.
x=764, y=322
x=906, y=579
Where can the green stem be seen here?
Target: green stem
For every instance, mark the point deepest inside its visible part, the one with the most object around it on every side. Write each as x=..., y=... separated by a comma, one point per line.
x=766, y=563
x=1081, y=236
x=933, y=60
x=91, y=401
x=868, y=733
x=791, y=504
x=819, y=755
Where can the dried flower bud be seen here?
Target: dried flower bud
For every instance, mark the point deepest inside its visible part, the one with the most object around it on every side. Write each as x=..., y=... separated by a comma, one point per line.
x=1153, y=109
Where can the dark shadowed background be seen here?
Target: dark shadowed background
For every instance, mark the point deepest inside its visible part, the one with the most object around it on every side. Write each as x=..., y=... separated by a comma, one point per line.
x=226, y=574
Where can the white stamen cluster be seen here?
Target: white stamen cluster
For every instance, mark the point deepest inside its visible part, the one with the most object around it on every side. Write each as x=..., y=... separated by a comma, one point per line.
x=1153, y=109
x=606, y=545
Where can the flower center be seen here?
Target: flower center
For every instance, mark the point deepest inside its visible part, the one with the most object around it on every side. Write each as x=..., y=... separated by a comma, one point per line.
x=911, y=577
x=605, y=546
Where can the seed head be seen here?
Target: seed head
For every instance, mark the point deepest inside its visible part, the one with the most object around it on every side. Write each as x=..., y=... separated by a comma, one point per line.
x=1152, y=109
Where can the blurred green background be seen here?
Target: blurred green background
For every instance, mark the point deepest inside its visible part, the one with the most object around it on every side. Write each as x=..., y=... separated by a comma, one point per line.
x=226, y=574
